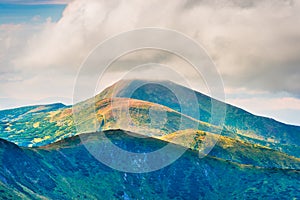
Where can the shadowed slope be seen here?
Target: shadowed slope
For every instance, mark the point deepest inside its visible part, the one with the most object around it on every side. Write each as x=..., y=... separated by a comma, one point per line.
x=66, y=170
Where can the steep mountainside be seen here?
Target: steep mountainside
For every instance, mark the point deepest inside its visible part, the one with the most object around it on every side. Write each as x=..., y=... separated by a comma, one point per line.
x=38, y=128
x=233, y=150
x=66, y=170
x=42, y=125
x=239, y=124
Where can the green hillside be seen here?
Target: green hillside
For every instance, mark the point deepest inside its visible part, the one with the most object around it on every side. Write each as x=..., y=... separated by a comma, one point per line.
x=233, y=150
x=32, y=125
x=66, y=170
x=38, y=128
x=239, y=124
x=42, y=125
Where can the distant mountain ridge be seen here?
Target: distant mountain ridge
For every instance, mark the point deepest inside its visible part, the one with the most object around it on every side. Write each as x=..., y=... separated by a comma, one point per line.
x=239, y=123
x=43, y=125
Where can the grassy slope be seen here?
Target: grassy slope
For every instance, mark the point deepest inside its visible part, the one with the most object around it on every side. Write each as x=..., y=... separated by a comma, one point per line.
x=239, y=124
x=42, y=125
x=233, y=150
x=66, y=170
x=42, y=128
x=32, y=125
x=59, y=124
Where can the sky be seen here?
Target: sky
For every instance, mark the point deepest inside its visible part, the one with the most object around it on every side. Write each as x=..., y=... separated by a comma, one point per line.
x=29, y=13
x=255, y=46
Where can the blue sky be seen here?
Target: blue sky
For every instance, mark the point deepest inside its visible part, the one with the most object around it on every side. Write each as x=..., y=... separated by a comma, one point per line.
x=34, y=2
x=29, y=13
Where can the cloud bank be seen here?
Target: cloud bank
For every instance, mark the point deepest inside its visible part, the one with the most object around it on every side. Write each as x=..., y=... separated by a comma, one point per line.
x=255, y=44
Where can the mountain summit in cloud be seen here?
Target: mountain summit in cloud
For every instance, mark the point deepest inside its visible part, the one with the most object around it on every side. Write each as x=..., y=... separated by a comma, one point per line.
x=254, y=45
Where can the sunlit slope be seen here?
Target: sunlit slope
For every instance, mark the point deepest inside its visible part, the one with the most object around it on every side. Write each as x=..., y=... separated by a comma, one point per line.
x=37, y=126
x=239, y=124
x=66, y=170
x=42, y=125
x=135, y=115
x=232, y=149
x=47, y=127
x=29, y=125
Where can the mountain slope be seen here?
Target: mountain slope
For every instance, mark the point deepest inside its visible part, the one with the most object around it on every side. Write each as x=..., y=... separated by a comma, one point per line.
x=27, y=126
x=66, y=170
x=41, y=128
x=43, y=125
x=60, y=122
x=239, y=124
x=233, y=150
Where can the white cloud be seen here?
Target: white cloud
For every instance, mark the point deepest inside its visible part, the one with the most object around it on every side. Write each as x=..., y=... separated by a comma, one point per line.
x=263, y=103
x=284, y=109
x=255, y=44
